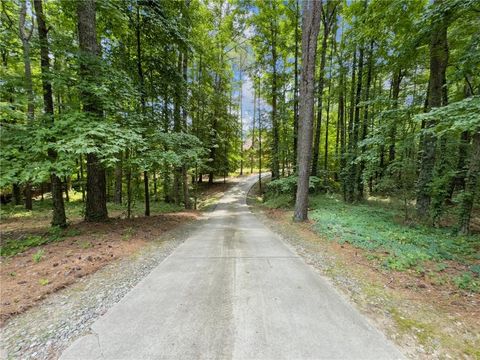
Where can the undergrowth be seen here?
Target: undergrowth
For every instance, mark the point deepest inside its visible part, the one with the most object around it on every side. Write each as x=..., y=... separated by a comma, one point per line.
x=378, y=228
x=12, y=247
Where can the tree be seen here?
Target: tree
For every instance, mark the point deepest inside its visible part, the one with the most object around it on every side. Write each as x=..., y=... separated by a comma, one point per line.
x=310, y=29
x=58, y=216
x=435, y=98
x=25, y=38
x=96, y=201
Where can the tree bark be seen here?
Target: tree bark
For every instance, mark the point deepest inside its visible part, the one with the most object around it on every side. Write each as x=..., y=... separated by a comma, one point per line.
x=58, y=217
x=361, y=166
x=438, y=67
x=96, y=202
x=310, y=28
x=141, y=77
x=275, y=131
x=186, y=195
x=318, y=127
x=295, y=87
x=471, y=186
x=25, y=38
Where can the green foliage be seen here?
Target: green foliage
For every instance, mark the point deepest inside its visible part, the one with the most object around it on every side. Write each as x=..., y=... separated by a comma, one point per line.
x=12, y=247
x=375, y=227
x=43, y=282
x=288, y=186
x=38, y=256
x=467, y=281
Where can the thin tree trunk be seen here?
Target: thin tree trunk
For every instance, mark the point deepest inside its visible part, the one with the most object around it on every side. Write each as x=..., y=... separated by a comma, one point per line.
x=118, y=180
x=155, y=186
x=310, y=28
x=186, y=195
x=275, y=163
x=295, y=88
x=253, y=128
x=58, y=217
x=82, y=179
x=259, y=137
x=67, y=196
x=361, y=167
x=321, y=84
x=129, y=184
x=142, y=103
x=241, y=118
x=25, y=38
x=348, y=188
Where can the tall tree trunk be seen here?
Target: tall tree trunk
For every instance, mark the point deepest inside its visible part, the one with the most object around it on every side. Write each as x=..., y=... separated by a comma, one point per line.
x=438, y=67
x=310, y=28
x=25, y=38
x=259, y=136
x=471, y=186
x=141, y=77
x=321, y=84
x=327, y=123
x=295, y=87
x=177, y=127
x=96, y=204
x=397, y=79
x=361, y=166
x=128, y=178
x=349, y=157
x=275, y=127
x=458, y=182
x=186, y=195
x=241, y=117
x=328, y=19
x=356, y=131
x=58, y=217
x=341, y=117
x=252, y=156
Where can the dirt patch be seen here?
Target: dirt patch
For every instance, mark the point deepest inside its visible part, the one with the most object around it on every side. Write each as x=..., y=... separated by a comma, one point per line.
x=30, y=276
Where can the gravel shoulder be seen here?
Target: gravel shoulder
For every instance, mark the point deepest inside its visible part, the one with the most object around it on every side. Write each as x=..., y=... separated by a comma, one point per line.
x=44, y=331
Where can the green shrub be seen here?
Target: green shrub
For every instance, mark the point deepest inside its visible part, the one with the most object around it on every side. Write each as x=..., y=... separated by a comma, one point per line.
x=375, y=227
x=467, y=282
x=288, y=186
x=13, y=247
x=38, y=256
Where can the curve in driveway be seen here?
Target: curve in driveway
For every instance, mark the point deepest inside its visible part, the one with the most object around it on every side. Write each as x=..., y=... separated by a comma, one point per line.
x=233, y=290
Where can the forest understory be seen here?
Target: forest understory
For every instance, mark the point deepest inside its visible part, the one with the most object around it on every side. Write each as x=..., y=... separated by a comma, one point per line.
x=428, y=307
x=38, y=260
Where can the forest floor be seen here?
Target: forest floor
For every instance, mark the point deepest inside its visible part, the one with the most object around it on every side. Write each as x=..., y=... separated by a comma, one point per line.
x=38, y=260
x=423, y=307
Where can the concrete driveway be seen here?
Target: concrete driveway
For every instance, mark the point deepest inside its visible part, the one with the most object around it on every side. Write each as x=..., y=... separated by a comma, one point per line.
x=233, y=290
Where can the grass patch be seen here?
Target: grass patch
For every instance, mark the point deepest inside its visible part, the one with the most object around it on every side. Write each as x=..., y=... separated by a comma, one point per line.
x=38, y=256
x=11, y=247
x=423, y=332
